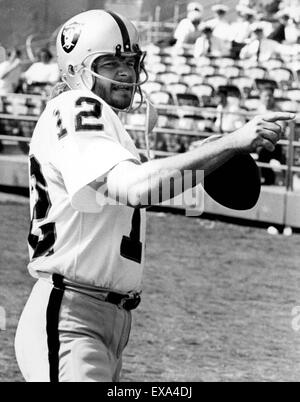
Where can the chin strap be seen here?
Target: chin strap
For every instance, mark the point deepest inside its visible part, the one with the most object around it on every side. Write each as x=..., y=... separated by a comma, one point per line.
x=151, y=121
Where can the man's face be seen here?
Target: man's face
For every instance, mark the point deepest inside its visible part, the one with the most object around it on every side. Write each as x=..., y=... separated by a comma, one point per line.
x=44, y=57
x=221, y=13
x=208, y=33
x=259, y=33
x=267, y=98
x=121, y=69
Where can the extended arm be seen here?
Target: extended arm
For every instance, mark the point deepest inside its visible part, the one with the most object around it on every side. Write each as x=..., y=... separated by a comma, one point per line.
x=132, y=184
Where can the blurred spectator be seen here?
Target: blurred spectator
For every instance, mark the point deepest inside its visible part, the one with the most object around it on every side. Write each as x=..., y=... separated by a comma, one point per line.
x=172, y=143
x=267, y=100
x=230, y=117
x=188, y=28
x=292, y=32
x=279, y=33
x=294, y=8
x=241, y=29
x=10, y=72
x=43, y=71
x=247, y=3
x=291, y=29
x=209, y=45
x=260, y=48
x=276, y=158
x=219, y=24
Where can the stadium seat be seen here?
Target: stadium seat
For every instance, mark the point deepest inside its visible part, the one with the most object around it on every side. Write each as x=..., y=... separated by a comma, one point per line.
x=181, y=69
x=205, y=61
x=161, y=97
x=186, y=122
x=294, y=65
x=166, y=58
x=163, y=121
x=135, y=119
x=152, y=59
x=168, y=51
x=168, y=78
x=204, y=71
x=231, y=71
x=203, y=124
x=152, y=49
x=273, y=63
x=203, y=90
x=183, y=51
x=284, y=76
x=152, y=86
x=256, y=72
x=261, y=84
x=209, y=112
x=168, y=120
x=177, y=59
x=252, y=103
x=157, y=68
x=191, y=79
x=184, y=99
x=151, y=76
x=179, y=87
x=293, y=94
x=224, y=62
x=216, y=80
x=287, y=105
x=244, y=83
x=191, y=62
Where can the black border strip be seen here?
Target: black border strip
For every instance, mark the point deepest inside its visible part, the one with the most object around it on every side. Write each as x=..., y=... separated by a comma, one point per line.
x=124, y=31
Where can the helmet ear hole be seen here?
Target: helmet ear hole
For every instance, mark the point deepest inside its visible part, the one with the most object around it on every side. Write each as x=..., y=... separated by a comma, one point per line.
x=71, y=70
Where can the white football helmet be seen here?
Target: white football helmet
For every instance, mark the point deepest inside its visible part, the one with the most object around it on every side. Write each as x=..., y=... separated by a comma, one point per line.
x=91, y=34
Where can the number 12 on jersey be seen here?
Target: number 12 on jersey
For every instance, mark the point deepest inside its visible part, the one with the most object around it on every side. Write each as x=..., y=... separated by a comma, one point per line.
x=42, y=245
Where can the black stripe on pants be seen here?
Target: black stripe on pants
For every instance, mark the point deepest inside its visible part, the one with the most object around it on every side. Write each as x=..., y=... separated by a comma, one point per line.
x=52, y=326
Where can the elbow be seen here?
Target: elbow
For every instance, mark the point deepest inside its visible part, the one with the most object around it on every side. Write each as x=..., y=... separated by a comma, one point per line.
x=134, y=199
x=129, y=197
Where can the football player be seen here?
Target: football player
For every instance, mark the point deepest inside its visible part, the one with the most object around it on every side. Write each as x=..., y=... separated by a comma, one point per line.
x=87, y=254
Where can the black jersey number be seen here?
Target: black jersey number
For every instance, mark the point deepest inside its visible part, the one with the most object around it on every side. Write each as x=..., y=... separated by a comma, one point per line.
x=95, y=112
x=43, y=244
x=131, y=247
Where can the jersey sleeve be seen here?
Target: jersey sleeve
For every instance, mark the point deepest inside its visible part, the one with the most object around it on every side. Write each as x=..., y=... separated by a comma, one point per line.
x=87, y=147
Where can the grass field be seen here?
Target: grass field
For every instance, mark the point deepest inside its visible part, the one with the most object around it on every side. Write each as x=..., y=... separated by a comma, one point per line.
x=216, y=306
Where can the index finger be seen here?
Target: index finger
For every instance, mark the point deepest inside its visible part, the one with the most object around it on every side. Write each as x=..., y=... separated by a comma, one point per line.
x=279, y=116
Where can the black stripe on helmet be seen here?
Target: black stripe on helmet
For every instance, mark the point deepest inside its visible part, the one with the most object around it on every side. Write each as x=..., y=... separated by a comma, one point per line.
x=124, y=31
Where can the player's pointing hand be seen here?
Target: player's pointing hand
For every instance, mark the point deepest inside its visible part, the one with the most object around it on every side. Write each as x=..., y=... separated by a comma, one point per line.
x=261, y=132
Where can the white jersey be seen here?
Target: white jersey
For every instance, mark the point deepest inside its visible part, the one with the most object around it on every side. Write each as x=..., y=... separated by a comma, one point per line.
x=77, y=140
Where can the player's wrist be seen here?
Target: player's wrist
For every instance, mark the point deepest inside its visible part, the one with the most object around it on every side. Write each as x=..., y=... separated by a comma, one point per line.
x=231, y=143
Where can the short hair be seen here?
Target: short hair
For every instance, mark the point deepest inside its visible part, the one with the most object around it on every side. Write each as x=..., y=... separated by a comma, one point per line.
x=45, y=50
x=267, y=88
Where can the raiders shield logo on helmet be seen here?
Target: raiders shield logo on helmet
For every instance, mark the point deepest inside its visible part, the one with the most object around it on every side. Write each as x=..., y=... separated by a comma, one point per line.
x=70, y=36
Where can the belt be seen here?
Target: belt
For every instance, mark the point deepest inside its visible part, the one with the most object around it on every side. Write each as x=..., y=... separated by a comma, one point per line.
x=130, y=301
x=127, y=301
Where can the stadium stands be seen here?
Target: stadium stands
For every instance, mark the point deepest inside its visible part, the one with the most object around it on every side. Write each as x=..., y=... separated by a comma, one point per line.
x=177, y=79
